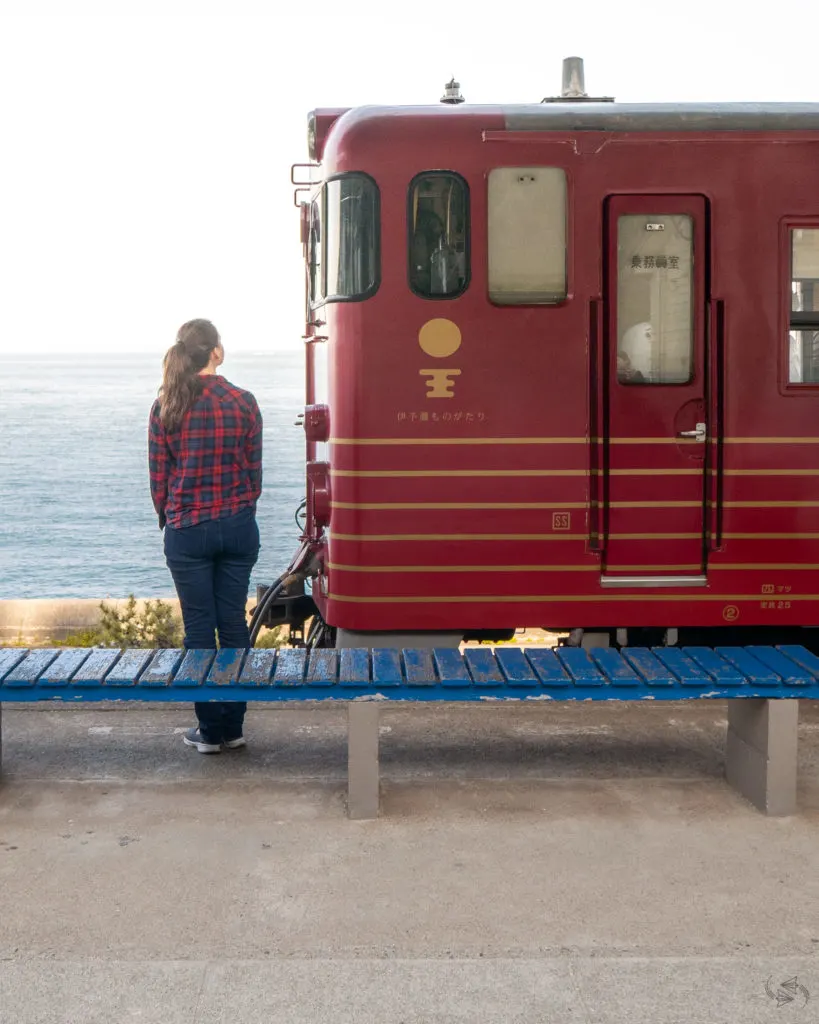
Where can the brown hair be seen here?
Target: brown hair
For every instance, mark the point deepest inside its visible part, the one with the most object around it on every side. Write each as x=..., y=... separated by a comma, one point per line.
x=181, y=383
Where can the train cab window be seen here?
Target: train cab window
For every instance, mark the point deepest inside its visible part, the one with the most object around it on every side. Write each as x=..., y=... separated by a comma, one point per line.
x=803, y=337
x=314, y=254
x=527, y=235
x=351, y=233
x=438, y=235
x=655, y=322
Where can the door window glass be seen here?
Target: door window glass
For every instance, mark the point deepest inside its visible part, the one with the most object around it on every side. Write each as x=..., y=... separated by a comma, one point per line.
x=803, y=337
x=655, y=324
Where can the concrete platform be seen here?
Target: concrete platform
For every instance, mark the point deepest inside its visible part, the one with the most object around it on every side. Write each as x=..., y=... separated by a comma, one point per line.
x=536, y=863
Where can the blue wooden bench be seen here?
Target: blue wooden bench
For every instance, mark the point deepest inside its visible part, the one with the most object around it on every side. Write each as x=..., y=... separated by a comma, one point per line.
x=763, y=685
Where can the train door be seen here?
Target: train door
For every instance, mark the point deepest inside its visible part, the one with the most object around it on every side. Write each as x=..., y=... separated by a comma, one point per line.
x=655, y=363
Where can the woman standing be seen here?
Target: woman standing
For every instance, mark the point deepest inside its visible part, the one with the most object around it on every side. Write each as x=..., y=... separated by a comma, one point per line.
x=205, y=458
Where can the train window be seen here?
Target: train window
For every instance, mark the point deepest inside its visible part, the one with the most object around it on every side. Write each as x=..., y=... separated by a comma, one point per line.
x=655, y=323
x=803, y=338
x=351, y=233
x=314, y=253
x=527, y=235
x=438, y=219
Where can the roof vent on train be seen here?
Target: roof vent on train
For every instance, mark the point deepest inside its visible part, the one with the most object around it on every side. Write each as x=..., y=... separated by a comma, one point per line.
x=574, y=85
x=452, y=92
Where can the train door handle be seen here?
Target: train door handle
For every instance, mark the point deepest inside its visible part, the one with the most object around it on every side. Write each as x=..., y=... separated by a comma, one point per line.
x=698, y=434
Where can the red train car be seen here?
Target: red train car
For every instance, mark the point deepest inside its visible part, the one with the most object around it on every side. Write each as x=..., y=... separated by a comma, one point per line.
x=563, y=369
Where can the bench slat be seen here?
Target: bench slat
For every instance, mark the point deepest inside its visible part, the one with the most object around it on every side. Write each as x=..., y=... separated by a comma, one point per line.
x=9, y=658
x=482, y=666
x=547, y=668
x=617, y=671
x=750, y=669
x=354, y=667
x=60, y=671
x=29, y=670
x=258, y=667
x=323, y=667
x=290, y=666
x=648, y=666
x=127, y=670
x=226, y=667
x=788, y=671
x=419, y=667
x=192, y=672
x=687, y=672
x=516, y=669
x=580, y=667
x=96, y=666
x=450, y=666
x=802, y=657
x=162, y=667
x=719, y=670
x=387, y=667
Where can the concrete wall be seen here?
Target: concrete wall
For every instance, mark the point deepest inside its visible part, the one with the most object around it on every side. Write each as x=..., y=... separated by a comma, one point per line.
x=41, y=619
x=44, y=619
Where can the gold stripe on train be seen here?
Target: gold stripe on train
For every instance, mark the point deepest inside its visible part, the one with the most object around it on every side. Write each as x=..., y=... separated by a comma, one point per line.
x=462, y=568
x=377, y=474
x=768, y=504
x=766, y=440
x=421, y=473
x=558, y=599
x=455, y=440
x=457, y=536
x=414, y=506
x=692, y=567
x=400, y=441
x=766, y=472
x=654, y=536
x=770, y=536
x=762, y=566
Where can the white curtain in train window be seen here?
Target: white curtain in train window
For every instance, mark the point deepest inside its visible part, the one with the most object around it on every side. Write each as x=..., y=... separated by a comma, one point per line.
x=803, y=350
x=527, y=235
x=655, y=257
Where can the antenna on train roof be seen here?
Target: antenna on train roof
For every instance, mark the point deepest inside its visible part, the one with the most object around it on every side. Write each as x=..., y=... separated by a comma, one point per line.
x=574, y=85
x=452, y=92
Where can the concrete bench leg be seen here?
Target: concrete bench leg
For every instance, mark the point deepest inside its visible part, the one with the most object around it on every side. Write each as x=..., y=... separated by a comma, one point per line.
x=362, y=759
x=760, y=752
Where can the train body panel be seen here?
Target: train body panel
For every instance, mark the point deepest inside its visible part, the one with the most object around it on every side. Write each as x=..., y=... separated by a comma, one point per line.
x=608, y=418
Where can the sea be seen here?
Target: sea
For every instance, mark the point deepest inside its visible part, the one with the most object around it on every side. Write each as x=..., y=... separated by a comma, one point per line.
x=76, y=519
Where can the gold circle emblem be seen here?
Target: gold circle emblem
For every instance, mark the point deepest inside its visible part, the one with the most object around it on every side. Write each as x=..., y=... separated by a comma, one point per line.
x=439, y=338
x=730, y=613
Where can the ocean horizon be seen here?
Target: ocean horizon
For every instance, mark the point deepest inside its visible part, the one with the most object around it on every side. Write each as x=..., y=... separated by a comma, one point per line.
x=76, y=519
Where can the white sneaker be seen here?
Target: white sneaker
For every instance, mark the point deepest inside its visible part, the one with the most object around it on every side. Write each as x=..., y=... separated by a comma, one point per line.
x=193, y=738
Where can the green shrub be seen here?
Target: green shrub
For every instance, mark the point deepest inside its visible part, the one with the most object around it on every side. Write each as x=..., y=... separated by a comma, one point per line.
x=84, y=638
x=155, y=625
x=271, y=638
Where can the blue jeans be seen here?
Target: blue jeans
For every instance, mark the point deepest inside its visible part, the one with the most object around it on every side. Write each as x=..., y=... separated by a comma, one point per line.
x=210, y=564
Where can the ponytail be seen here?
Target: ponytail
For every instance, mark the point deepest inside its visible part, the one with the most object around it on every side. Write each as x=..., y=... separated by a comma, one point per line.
x=184, y=361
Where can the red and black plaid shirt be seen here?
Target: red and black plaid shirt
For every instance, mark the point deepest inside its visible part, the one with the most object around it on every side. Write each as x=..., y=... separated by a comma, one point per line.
x=211, y=467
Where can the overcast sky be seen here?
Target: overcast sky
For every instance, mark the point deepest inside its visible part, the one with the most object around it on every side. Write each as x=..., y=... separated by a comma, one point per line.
x=146, y=148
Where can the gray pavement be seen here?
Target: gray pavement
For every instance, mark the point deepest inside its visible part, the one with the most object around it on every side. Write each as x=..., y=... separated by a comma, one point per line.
x=533, y=863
